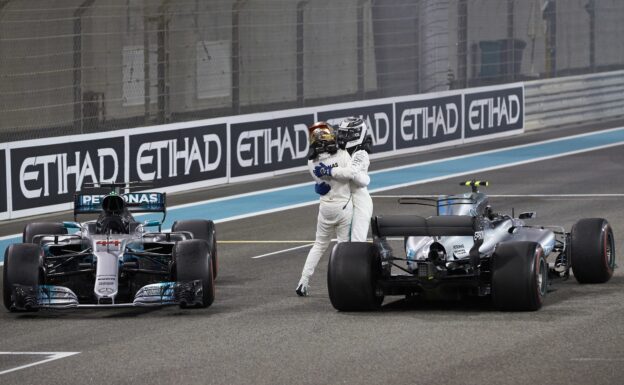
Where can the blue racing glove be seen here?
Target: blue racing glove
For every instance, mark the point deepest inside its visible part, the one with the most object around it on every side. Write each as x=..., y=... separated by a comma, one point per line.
x=322, y=170
x=322, y=188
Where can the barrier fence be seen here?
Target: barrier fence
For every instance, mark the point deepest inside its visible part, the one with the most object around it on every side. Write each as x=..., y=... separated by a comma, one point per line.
x=86, y=66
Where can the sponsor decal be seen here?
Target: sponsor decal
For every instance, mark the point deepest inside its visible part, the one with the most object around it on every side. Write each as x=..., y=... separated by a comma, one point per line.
x=491, y=112
x=50, y=174
x=3, y=180
x=379, y=119
x=269, y=145
x=108, y=245
x=132, y=198
x=180, y=156
x=428, y=121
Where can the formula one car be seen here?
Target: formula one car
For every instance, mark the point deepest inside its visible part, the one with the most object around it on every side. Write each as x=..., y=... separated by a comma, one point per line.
x=113, y=261
x=468, y=250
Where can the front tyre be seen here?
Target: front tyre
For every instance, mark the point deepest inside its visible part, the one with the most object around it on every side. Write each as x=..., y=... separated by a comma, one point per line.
x=519, y=276
x=39, y=228
x=201, y=229
x=354, y=269
x=22, y=266
x=592, y=250
x=193, y=262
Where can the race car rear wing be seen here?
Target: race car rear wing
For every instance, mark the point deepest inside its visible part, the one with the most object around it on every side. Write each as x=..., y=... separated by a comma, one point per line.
x=413, y=225
x=435, y=226
x=146, y=202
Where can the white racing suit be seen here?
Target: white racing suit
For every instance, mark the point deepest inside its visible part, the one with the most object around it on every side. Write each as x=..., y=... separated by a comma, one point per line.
x=357, y=174
x=335, y=210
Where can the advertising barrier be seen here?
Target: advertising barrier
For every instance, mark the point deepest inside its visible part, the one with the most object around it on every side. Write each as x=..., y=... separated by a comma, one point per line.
x=3, y=190
x=43, y=175
x=261, y=146
x=179, y=156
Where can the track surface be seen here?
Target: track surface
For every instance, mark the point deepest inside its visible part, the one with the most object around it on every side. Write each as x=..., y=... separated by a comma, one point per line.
x=258, y=331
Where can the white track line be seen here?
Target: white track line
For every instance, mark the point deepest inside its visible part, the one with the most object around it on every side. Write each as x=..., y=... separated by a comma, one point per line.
x=597, y=359
x=512, y=196
x=251, y=241
x=54, y=356
x=283, y=251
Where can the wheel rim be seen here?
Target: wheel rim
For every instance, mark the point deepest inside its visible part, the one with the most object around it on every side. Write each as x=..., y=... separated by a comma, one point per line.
x=609, y=249
x=542, y=276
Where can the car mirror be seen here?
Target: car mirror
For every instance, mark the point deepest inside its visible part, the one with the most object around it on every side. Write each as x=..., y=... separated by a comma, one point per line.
x=151, y=222
x=528, y=215
x=71, y=225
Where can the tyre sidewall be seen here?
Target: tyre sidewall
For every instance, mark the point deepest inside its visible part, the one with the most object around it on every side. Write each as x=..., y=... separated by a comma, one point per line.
x=515, y=270
x=201, y=229
x=590, y=240
x=193, y=261
x=22, y=266
x=352, y=276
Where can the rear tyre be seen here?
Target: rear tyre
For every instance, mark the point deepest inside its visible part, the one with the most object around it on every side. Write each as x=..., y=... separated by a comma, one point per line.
x=352, y=276
x=22, y=262
x=201, y=229
x=37, y=228
x=592, y=250
x=519, y=276
x=193, y=262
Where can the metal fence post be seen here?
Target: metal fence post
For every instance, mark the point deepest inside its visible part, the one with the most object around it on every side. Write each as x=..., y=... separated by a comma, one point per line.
x=77, y=73
x=462, y=44
x=300, y=53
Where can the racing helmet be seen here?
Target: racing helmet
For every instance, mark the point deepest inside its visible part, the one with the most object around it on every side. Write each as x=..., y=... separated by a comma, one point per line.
x=322, y=139
x=113, y=204
x=354, y=134
x=113, y=218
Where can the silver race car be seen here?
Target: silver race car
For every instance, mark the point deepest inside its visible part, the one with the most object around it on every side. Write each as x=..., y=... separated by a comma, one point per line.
x=112, y=261
x=468, y=250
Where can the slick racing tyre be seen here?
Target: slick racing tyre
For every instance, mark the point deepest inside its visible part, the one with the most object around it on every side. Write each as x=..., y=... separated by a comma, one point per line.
x=519, y=276
x=354, y=269
x=592, y=250
x=38, y=228
x=201, y=229
x=22, y=262
x=192, y=261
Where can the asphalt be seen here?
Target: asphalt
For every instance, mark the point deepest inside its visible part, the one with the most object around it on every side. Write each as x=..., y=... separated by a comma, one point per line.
x=258, y=331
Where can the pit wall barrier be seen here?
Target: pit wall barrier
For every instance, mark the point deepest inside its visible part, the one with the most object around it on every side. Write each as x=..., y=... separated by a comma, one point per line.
x=574, y=99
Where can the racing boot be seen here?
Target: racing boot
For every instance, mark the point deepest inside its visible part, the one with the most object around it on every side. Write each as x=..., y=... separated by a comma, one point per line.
x=302, y=288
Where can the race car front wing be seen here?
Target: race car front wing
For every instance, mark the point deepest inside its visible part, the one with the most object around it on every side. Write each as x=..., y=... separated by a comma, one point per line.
x=30, y=298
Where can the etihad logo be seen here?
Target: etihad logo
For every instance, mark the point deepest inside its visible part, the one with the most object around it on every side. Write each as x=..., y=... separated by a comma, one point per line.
x=173, y=157
x=494, y=112
x=430, y=121
x=39, y=173
x=255, y=147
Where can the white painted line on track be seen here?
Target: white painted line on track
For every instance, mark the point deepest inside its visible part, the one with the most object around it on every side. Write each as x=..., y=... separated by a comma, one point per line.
x=525, y=145
x=484, y=169
x=251, y=241
x=51, y=356
x=282, y=251
x=595, y=359
x=511, y=196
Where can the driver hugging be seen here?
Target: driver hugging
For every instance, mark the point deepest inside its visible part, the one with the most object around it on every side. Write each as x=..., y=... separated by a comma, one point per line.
x=339, y=164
